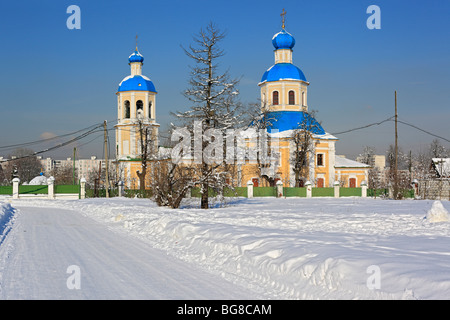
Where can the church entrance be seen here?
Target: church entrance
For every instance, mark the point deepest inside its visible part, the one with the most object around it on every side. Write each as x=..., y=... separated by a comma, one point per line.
x=320, y=183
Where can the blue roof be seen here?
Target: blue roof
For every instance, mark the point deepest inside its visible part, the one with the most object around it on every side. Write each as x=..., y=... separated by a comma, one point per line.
x=283, y=71
x=291, y=120
x=136, y=57
x=283, y=40
x=136, y=83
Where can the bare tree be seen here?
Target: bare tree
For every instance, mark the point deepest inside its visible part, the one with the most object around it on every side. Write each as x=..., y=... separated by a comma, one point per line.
x=304, y=149
x=398, y=180
x=367, y=156
x=171, y=182
x=374, y=174
x=261, y=119
x=213, y=96
x=436, y=150
x=25, y=163
x=64, y=174
x=147, y=148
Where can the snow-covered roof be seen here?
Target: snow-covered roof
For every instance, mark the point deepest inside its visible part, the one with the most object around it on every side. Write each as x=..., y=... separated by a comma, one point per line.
x=136, y=83
x=283, y=40
x=136, y=56
x=283, y=71
x=442, y=166
x=251, y=133
x=341, y=162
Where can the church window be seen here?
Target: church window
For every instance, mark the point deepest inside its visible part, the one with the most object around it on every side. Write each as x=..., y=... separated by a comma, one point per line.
x=275, y=101
x=291, y=97
x=127, y=109
x=139, y=108
x=150, y=109
x=303, y=99
x=320, y=159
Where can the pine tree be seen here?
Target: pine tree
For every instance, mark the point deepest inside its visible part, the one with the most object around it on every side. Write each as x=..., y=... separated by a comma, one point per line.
x=213, y=97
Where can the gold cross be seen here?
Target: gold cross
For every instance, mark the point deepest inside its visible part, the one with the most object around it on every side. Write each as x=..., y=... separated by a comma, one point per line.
x=283, y=18
x=136, y=42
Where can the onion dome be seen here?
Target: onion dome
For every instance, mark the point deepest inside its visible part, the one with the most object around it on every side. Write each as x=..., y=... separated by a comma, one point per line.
x=283, y=40
x=136, y=57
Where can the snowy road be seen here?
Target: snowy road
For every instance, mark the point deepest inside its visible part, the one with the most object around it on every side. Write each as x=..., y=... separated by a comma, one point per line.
x=45, y=242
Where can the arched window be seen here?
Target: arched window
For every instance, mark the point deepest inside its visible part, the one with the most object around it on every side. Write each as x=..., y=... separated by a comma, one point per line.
x=303, y=99
x=139, y=108
x=275, y=101
x=150, y=109
x=127, y=109
x=291, y=97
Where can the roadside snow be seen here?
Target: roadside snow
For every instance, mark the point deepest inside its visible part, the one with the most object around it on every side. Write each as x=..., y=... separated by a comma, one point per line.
x=437, y=213
x=295, y=248
x=6, y=219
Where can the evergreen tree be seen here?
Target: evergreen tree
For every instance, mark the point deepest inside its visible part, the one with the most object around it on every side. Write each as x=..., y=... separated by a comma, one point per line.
x=213, y=97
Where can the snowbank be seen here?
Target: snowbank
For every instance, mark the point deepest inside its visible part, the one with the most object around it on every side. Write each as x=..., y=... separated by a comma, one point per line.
x=296, y=248
x=437, y=213
x=39, y=180
x=6, y=219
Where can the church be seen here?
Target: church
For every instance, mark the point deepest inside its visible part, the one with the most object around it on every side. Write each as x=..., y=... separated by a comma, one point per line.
x=136, y=125
x=284, y=98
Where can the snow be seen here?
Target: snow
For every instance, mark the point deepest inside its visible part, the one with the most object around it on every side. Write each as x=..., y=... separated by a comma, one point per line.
x=442, y=166
x=6, y=219
x=437, y=213
x=293, y=248
x=341, y=162
x=39, y=180
x=290, y=133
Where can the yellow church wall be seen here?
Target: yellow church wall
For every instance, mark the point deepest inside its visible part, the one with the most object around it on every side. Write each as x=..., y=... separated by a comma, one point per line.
x=322, y=171
x=131, y=178
x=284, y=171
x=343, y=175
x=134, y=96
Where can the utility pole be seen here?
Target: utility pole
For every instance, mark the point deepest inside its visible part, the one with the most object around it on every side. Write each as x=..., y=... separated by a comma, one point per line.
x=396, y=152
x=73, y=170
x=106, y=159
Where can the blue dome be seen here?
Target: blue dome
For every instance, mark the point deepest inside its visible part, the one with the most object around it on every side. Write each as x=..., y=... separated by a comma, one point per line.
x=283, y=40
x=136, y=57
x=283, y=71
x=291, y=120
x=136, y=83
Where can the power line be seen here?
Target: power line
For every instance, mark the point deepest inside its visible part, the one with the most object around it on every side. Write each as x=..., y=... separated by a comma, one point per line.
x=93, y=130
x=425, y=131
x=366, y=126
x=45, y=140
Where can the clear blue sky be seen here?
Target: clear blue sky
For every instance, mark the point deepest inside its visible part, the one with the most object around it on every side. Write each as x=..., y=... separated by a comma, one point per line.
x=55, y=80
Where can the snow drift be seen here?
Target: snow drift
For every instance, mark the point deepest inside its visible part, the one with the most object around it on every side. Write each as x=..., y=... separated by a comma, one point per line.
x=437, y=213
x=6, y=219
x=295, y=248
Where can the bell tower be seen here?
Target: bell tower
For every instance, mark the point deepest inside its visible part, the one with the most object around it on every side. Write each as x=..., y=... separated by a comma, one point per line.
x=136, y=99
x=284, y=86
